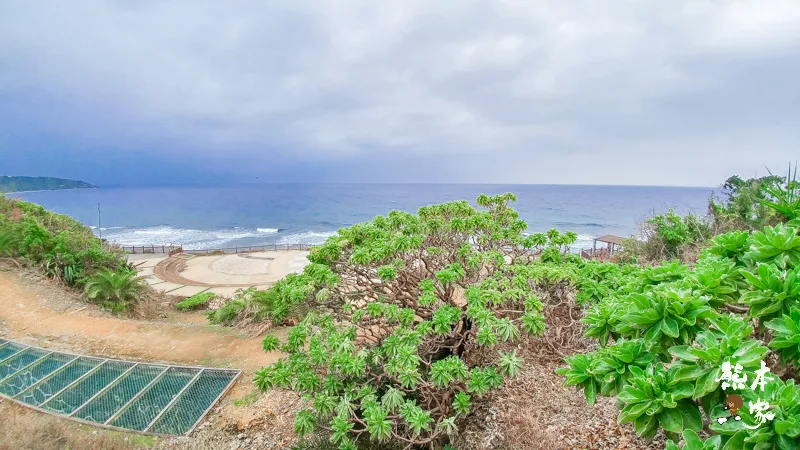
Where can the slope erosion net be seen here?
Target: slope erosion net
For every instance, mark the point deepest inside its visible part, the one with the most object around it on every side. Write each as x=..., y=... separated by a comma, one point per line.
x=146, y=398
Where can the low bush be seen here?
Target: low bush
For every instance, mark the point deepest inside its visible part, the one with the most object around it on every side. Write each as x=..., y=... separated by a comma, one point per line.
x=196, y=301
x=783, y=196
x=668, y=236
x=406, y=320
x=757, y=202
x=285, y=302
x=68, y=251
x=680, y=317
x=740, y=206
x=114, y=290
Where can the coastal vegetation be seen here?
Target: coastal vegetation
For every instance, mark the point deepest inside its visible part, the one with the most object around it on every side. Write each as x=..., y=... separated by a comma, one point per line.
x=430, y=320
x=66, y=250
x=17, y=184
x=404, y=324
x=114, y=290
x=404, y=327
x=667, y=331
x=195, y=302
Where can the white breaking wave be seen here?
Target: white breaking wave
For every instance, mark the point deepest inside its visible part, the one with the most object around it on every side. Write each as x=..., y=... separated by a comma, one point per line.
x=307, y=237
x=193, y=239
x=583, y=241
x=166, y=235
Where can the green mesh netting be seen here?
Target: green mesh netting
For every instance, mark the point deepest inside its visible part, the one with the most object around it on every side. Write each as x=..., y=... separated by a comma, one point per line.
x=10, y=349
x=32, y=374
x=152, y=398
x=71, y=399
x=20, y=361
x=104, y=406
x=141, y=412
x=46, y=389
x=194, y=401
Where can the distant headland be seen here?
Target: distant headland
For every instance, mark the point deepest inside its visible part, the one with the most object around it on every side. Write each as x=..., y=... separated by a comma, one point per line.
x=22, y=184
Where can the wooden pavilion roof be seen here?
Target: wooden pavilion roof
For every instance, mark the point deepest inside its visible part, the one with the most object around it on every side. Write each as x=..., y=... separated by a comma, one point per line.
x=610, y=239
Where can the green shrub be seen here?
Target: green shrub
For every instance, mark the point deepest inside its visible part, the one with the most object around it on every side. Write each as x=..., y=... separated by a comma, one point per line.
x=718, y=279
x=287, y=299
x=786, y=336
x=62, y=247
x=114, y=290
x=741, y=206
x=778, y=245
x=665, y=317
x=773, y=292
x=407, y=297
x=674, y=311
x=693, y=442
x=227, y=313
x=731, y=246
x=783, y=195
x=606, y=371
x=700, y=363
x=781, y=433
x=195, y=301
x=653, y=398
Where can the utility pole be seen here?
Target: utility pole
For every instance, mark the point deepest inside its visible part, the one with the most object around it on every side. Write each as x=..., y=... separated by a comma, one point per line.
x=99, y=230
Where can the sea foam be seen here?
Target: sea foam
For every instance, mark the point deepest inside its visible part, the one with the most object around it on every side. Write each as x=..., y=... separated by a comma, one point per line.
x=195, y=239
x=307, y=237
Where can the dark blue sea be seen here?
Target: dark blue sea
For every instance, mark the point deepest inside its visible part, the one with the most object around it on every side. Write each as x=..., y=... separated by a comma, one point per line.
x=216, y=217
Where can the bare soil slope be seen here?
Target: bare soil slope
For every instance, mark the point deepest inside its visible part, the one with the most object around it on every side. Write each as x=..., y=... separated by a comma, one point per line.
x=532, y=411
x=29, y=313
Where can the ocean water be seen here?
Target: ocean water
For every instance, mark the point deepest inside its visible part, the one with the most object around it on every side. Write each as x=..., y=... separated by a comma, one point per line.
x=218, y=217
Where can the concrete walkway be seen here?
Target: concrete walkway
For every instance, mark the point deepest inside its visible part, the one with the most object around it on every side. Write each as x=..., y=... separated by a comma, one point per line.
x=186, y=275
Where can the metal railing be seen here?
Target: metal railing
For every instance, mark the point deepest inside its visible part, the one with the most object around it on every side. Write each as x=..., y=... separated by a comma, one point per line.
x=171, y=249
x=144, y=249
x=602, y=254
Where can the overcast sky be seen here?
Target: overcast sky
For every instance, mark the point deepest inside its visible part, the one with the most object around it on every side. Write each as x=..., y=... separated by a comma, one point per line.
x=507, y=91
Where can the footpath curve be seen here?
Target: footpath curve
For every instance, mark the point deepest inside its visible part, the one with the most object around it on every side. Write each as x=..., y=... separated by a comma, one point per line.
x=24, y=316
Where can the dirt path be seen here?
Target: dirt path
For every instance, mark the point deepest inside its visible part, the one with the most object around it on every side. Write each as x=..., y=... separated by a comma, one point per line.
x=24, y=316
x=42, y=313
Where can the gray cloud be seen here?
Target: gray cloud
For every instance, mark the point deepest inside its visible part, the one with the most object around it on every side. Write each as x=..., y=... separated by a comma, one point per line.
x=630, y=92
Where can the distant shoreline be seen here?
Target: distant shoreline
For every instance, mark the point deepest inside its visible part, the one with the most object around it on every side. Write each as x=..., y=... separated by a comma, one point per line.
x=49, y=190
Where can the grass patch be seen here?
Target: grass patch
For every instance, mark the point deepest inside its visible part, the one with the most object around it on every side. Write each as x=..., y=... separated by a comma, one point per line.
x=247, y=400
x=196, y=301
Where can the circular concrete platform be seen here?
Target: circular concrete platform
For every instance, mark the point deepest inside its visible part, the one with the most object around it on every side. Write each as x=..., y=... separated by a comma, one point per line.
x=187, y=275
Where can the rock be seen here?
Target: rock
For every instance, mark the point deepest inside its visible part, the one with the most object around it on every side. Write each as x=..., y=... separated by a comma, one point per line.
x=248, y=422
x=459, y=296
